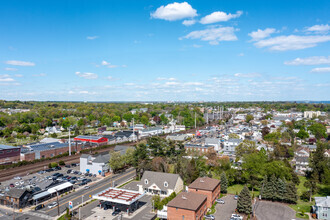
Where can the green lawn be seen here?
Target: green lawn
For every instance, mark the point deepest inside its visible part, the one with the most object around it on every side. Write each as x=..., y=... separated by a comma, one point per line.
x=237, y=188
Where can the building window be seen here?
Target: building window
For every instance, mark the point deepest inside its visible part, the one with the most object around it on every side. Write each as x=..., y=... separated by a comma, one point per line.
x=1, y=152
x=145, y=181
x=183, y=217
x=8, y=151
x=166, y=184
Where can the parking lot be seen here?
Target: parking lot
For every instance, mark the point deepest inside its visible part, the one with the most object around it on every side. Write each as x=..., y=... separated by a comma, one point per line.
x=43, y=178
x=224, y=211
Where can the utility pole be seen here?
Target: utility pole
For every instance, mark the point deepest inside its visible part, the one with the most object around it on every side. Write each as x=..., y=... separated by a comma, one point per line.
x=195, y=120
x=12, y=200
x=58, y=205
x=69, y=142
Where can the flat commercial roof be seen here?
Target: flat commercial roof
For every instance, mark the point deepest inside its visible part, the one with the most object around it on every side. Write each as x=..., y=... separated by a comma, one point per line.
x=60, y=187
x=40, y=195
x=121, y=196
x=7, y=147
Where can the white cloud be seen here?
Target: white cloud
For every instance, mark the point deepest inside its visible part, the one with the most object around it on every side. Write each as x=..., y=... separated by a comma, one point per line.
x=194, y=83
x=10, y=69
x=109, y=65
x=129, y=84
x=87, y=75
x=171, y=83
x=247, y=75
x=92, y=37
x=189, y=22
x=83, y=92
x=197, y=45
x=41, y=74
x=166, y=79
x=19, y=63
x=174, y=11
x=219, y=16
x=291, y=42
x=241, y=54
x=320, y=29
x=316, y=60
x=104, y=63
x=18, y=75
x=321, y=70
x=261, y=34
x=213, y=35
x=6, y=78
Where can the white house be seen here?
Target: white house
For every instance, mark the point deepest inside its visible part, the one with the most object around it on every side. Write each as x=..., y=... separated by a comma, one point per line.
x=157, y=183
x=95, y=164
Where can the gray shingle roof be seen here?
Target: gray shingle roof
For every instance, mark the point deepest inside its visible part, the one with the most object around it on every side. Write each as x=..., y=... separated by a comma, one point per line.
x=159, y=179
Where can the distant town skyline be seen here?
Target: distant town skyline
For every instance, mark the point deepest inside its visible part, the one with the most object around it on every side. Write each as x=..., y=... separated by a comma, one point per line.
x=165, y=50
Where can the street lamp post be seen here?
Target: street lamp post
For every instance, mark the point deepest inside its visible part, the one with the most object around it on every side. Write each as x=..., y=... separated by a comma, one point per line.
x=58, y=205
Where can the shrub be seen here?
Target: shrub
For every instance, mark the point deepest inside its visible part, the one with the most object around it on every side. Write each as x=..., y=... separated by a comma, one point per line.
x=61, y=163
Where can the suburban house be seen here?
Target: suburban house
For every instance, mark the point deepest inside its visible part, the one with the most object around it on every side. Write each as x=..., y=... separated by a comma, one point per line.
x=206, y=186
x=230, y=145
x=123, y=136
x=9, y=154
x=99, y=140
x=322, y=207
x=158, y=183
x=214, y=142
x=95, y=164
x=187, y=206
x=301, y=160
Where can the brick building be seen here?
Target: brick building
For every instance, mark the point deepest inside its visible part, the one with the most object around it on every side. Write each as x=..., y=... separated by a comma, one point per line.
x=199, y=148
x=186, y=206
x=9, y=154
x=206, y=186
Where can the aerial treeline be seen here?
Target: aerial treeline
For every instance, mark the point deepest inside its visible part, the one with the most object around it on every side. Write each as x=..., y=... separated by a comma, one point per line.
x=66, y=114
x=278, y=189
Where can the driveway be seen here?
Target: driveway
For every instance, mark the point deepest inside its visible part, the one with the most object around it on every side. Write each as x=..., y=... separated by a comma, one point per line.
x=224, y=211
x=273, y=211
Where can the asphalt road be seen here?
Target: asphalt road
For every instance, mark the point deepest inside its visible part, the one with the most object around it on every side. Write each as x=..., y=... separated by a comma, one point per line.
x=224, y=211
x=274, y=211
x=76, y=197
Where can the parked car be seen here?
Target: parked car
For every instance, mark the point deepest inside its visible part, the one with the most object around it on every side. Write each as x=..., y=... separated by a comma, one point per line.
x=52, y=205
x=116, y=212
x=69, y=171
x=68, y=166
x=17, y=184
x=38, y=207
x=220, y=201
x=12, y=185
x=90, y=175
x=236, y=217
x=87, y=180
x=236, y=197
x=58, y=168
x=73, y=165
x=94, y=175
x=17, y=178
x=82, y=183
x=209, y=217
x=73, y=181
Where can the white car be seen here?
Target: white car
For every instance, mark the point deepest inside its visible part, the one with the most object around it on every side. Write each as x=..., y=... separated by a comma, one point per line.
x=220, y=201
x=236, y=217
x=17, y=184
x=21, y=182
x=52, y=205
x=17, y=178
x=86, y=187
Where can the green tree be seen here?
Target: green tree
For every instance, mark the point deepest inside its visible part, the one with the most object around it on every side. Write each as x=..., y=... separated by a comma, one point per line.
x=116, y=161
x=244, y=204
x=246, y=147
x=319, y=130
x=320, y=163
x=223, y=182
x=144, y=120
x=291, y=193
x=129, y=156
x=281, y=190
x=302, y=134
x=233, y=136
x=249, y=118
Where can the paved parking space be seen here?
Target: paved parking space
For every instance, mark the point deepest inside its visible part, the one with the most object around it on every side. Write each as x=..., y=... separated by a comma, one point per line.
x=41, y=179
x=224, y=211
x=274, y=211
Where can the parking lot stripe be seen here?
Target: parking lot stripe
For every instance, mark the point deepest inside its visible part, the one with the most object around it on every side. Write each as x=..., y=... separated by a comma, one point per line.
x=87, y=193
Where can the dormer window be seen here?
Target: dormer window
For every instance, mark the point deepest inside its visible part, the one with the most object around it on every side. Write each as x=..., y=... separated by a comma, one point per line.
x=145, y=181
x=166, y=184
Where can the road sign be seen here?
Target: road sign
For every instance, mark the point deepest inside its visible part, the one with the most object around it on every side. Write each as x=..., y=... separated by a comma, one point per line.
x=70, y=205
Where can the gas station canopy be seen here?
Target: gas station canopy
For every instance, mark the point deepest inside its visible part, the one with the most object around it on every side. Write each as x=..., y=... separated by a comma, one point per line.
x=121, y=196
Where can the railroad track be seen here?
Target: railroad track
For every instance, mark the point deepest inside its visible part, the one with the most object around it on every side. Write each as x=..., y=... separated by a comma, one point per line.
x=33, y=168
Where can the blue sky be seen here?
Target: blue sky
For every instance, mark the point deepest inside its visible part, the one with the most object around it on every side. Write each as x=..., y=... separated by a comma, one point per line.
x=165, y=50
